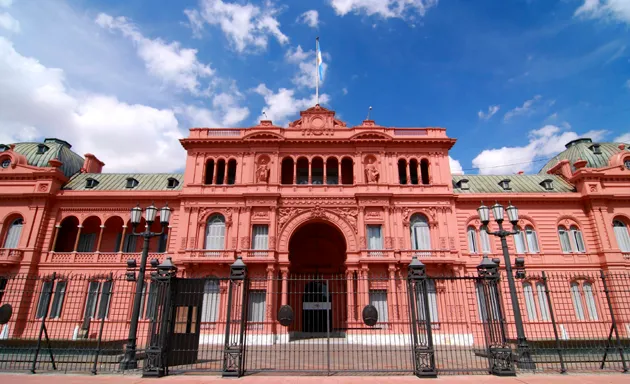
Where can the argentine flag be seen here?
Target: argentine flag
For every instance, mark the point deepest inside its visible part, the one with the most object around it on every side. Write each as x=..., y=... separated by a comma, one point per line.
x=320, y=63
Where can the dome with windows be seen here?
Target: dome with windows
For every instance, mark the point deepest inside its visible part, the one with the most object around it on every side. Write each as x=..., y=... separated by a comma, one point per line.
x=597, y=155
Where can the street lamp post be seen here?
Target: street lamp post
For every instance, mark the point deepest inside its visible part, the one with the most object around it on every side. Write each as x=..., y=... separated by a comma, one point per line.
x=524, y=354
x=130, y=361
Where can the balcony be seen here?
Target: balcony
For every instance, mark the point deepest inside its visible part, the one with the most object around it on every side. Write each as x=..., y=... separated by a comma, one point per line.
x=97, y=257
x=426, y=255
x=11, y=256
x=258, y=254
x=377, y=254
x=208, y=255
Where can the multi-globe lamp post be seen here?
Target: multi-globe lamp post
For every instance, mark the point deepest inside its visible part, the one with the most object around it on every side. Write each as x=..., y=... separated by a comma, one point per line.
x=130, y=360
x=498, y=212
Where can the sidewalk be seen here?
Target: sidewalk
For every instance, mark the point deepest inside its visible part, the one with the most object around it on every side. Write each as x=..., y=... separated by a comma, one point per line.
x=259, y=379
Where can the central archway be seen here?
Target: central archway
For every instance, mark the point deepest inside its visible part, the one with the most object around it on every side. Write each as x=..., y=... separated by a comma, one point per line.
x=317, y=255
x=317, y=248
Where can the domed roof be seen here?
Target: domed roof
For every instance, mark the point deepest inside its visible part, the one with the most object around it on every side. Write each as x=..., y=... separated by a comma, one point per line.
x=595, y=154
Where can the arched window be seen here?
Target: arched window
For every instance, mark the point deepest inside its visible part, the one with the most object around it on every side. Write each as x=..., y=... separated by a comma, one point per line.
x=211, y=297
x=317, y=171
x=473, y=246
x=530, y=304
x=215, y=232
x=532, y=239
x=209, y=171
x=231, y=173
x=332, y=170
x=582, y=296
x=287, y=170
x=347, y=171
x=220, y=172
x=413, y=171
x=519, y=241
x=424, y=170
x=622, y=235
x=420, y=235
x=12, y=240
x=578, y=240
x=565, y=243
x=402, y=171
x=302, y=170
x=485, y=241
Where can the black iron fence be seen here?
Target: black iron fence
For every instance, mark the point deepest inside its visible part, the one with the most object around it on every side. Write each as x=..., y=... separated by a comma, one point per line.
x=401, y=322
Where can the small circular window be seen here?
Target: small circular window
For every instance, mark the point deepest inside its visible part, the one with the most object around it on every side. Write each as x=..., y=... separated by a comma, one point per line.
x=626, y=162
x=5, y=163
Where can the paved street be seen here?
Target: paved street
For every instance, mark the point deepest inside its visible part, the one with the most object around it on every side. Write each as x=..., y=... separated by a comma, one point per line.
x=259, y=379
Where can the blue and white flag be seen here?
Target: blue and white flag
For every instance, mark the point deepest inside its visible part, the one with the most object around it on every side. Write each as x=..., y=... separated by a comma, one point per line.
x=320, y=63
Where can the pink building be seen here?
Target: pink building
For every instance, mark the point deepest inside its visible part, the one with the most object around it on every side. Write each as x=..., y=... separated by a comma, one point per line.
x=315, y=198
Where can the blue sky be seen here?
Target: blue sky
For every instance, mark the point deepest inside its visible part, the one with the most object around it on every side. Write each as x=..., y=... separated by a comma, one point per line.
x=513, y=81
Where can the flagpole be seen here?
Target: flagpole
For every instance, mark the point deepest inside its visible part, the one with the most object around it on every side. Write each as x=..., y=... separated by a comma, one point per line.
x=316, y=70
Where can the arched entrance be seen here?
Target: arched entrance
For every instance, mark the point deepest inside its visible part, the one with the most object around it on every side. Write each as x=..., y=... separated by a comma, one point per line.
x=317, y=287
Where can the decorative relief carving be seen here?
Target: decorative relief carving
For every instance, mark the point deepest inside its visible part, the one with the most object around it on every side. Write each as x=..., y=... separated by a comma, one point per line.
x=234, y=242
x=374, y=215
x=261, y=215
x=262, y=170
x=272, y=242
x=317, y=212
x=371, y=173
x=349, y=214
x=43, y=187
x=451, y=242
x=244, y=242
x=362, y=242
x=389, y=242
x=193, y=241
x=592, y=187
x=401, y=243
x=405, y=212
x=442, y=242
x=183, y=242
x=312, y=201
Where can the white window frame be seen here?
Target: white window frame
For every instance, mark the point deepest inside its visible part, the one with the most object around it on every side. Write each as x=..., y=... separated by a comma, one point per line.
x=582, y=296
x=486, y=244
x=433, y=305
x=56, y=307
x=530, y=303
x=565, y=241
x=473, y=245
x=577, y=239
x=215, y=233
x=543, y=304
x=520, y=242
x=95, y=309
x=420, y=233
x=621, y=234
x=532, y=239
x=378, y=298
x=374, y=237
x=12, y=239
x=260, y=237
x=211, y=301
x=257, y=306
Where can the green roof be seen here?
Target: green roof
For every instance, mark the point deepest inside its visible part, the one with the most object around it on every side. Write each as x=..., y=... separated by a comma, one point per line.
x=118, y=181
x=518, y=184
x=582, y=149
x=57, y=149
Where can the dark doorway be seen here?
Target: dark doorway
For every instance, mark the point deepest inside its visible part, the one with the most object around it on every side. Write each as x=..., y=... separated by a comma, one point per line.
x=316, y=308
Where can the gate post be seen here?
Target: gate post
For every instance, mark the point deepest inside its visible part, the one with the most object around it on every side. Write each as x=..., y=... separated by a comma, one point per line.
x=156, y=363
x=421, y=332
x=234, y=347
x=500, y=354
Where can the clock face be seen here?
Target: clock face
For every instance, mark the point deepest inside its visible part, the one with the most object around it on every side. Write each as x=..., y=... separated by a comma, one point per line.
x=627, y=163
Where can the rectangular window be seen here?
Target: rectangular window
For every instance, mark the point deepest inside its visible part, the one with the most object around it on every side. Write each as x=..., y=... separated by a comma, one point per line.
x=564, y=240
x=98, y=299
x=3, y=287
x=163, y=242
x=519, y=241
x=590, y=301
x=260, y=237
x=87, y=241
x=578, y=239
x=542, y=302
x=130, y=243
x=256, y=310
x=151, y=302
x=44, y=299
x=378, y=298
x=532, y=241
x=375, y=238
x=420, y=237
x=485, y=241
x=487, y=302
x=577, y=301
x=210, y=307
x=472, y=240
x=57, y=304
x=530, y=304
x=433, y=309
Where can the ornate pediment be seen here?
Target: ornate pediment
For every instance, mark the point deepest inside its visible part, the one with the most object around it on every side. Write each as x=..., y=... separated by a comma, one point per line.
x=370, y=136
x=317, y=121
x=263, y=136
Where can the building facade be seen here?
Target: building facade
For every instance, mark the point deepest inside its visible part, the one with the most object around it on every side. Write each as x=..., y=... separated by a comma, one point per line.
x=316, y=198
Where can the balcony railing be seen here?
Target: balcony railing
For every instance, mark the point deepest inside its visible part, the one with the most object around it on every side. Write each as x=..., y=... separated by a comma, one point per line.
x=210, y=254
x=423, y=254
x=97, y=257
x=377, y=253
x=11, y=256
x=258, y=254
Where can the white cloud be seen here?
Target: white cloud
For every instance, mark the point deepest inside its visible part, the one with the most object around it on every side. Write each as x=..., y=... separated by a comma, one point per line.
x=628, y=84
x=344, y=90
x=305, y=60
x=169, y=62
x=246, y=26
x=524, y=110
x=616, y=9
x=5, y=3
x=543, y=143
x=283, y=104
x=625, y=138
x=491, y=111
x=226, y=111
x=9, y=23
x=310, y=18
x=36, y=102
x=456, y=166
x=385, y=8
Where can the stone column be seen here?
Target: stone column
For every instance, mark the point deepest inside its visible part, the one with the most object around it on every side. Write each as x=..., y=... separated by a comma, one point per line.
x=100, y=238
x=350, y=295
x=295, y=172
x=392, y=300
x=285, y=285
x=407, y=168
x=214, y=175
x=325, y=170
x=310, y=172
x=225, y=172
x=269, y=296
x=365, y=296
x=54, y=244
x=76, y=241
x=339, y=172
x=122, y=239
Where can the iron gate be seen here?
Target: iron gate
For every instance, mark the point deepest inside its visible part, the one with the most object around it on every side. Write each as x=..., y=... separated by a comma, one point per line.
x=326, y=324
